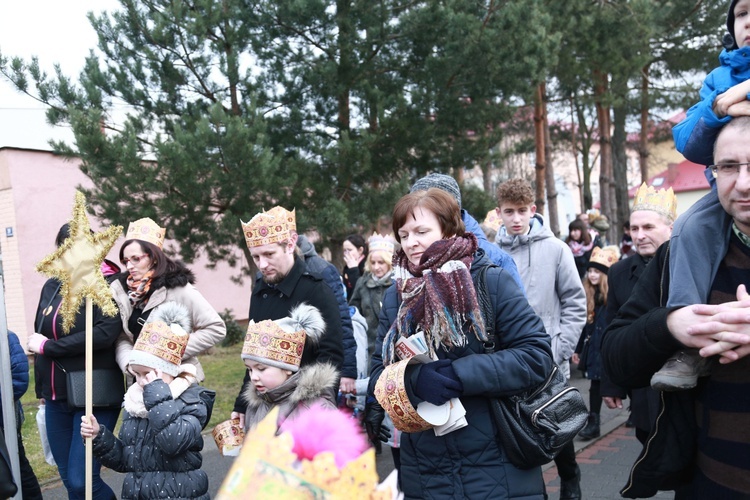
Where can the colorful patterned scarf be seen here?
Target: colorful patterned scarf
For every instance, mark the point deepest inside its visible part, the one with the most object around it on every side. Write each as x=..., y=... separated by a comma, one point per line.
x=437, y=296
x=138, y=291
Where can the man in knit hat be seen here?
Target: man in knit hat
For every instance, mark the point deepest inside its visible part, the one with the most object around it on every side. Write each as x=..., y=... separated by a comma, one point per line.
x=450, y=186
x=283, y=283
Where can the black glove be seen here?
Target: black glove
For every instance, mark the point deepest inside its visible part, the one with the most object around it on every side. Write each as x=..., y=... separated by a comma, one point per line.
x=374, y=415
x=437, y=382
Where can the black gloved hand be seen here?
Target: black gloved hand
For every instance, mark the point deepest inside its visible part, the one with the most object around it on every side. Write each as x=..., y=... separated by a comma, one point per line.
x=437, y=382
x=374, y=415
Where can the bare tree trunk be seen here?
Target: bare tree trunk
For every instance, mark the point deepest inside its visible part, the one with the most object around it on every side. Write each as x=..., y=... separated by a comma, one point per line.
x=540, y=146
x=553, y=216
x=621, y=211
x=601, y=88
x=643, y=139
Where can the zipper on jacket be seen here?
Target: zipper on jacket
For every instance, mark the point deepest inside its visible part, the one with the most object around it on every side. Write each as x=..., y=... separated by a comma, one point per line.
x=52, y=364
x=647, y=447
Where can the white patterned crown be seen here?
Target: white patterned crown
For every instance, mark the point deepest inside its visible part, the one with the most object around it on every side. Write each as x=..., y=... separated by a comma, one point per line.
x=381, y=243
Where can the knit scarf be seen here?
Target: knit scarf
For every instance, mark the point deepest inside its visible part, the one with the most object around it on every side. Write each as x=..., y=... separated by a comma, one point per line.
x=579, y=248
x=138, y=291
x=133, y=401
x=437, y=296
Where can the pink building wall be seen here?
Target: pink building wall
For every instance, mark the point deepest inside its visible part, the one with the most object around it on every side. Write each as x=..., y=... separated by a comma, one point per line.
x=37, y=191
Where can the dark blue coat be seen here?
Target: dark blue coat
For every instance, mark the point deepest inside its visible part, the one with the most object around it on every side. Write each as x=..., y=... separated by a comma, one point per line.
x=469, y=462
x=161, y=454
x=19, y=370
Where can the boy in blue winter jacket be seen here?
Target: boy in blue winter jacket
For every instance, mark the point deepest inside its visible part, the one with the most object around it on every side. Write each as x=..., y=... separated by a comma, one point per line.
x=700, y=236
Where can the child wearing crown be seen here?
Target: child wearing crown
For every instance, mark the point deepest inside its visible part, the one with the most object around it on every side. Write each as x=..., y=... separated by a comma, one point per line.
x=272, y=353
x=160, y=440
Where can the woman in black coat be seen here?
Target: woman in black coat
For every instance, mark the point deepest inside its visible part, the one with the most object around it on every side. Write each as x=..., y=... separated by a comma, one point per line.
x=58, y=352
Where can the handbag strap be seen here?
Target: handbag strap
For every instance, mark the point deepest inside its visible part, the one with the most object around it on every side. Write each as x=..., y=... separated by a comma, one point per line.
x=485, y=306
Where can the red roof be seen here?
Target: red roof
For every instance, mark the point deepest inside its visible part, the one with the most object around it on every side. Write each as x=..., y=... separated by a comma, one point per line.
x=681, y=177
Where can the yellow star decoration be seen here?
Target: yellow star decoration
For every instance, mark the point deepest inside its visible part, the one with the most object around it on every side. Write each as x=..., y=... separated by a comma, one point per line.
x=77, y=264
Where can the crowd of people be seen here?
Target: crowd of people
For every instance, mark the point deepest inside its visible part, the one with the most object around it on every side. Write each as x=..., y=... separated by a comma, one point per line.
x=659, y=319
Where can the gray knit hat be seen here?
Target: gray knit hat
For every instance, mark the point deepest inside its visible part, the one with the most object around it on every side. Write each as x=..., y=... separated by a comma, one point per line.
x=440, y=181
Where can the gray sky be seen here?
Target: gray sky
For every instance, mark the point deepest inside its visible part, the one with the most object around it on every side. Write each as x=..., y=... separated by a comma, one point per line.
x=56, y=32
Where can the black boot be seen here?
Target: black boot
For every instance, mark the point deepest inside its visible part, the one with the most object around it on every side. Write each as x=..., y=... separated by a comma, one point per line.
x=570, y=489
x=591, y=430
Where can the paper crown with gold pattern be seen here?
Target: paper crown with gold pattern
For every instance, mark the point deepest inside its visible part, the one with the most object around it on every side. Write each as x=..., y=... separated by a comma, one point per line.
x=228, y=437
x=273, y=226
x=662, y=201
x=381, y=243
x=280, y=343
x=146, y=229
x=271, y=470
x=603, y=258
x=492, y=220
x=164, y=338
x=390, y=391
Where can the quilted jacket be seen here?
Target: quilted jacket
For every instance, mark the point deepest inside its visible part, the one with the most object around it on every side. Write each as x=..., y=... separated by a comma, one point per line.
x=161, y=453
x=469, y=462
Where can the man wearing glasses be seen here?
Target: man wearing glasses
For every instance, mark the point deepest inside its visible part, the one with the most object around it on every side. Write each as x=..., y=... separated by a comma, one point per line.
x=700, y=443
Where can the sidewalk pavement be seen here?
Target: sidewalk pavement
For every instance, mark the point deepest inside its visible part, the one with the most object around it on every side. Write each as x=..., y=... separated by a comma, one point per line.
x=605, y=462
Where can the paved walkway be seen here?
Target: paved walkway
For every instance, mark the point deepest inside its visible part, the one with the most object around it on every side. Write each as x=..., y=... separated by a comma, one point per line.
x=605, y=462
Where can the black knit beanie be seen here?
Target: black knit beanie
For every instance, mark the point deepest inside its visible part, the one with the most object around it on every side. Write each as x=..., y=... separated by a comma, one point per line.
x=730, y=28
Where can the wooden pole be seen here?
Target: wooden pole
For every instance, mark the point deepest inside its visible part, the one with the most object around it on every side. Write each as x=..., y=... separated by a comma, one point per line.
x=89, y=394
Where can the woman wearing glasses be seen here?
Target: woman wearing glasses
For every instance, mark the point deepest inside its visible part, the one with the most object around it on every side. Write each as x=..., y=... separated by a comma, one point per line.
x=152, y=279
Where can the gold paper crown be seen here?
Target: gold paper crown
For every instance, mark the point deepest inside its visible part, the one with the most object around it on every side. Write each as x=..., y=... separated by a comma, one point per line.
x=390, y=391
x=267, y=343
x=663, y=201
x=270, y=470
x=604, y=257
x=158, y=339
x=381, y=243
x=269, y=227
x=146, y=229
x=229, y=436
x=492, y=220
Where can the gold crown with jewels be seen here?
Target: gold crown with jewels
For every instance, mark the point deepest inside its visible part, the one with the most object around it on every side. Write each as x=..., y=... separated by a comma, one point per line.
x=267, y=343
x=269, y=470
x=662, y=201
x=269, y=227
x=146, y=229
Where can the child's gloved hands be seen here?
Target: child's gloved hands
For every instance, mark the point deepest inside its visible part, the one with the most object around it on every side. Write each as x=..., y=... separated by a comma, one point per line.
x=437, y=382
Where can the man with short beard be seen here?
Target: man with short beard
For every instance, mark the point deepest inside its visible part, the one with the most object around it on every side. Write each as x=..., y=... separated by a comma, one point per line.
x=284, y=283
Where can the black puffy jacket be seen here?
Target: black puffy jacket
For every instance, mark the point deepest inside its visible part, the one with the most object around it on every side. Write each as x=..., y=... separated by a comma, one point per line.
x=161, y=454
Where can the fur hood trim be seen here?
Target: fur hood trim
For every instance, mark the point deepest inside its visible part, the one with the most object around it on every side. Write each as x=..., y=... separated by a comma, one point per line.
x=172, y=312
x=312, y=383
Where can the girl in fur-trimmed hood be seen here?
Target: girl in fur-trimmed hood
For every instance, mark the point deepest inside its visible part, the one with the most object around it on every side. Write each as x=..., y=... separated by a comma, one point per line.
x=272, y=352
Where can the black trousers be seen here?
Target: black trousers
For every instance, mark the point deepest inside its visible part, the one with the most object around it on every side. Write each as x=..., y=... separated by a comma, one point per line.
x=566, y=462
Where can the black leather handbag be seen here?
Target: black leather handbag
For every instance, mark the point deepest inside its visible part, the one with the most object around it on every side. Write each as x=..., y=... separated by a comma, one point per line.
x=532, y=426
x=108, y=387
